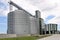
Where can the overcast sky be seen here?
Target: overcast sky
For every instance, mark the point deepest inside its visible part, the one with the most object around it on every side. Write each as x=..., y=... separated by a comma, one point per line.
x=50, y=10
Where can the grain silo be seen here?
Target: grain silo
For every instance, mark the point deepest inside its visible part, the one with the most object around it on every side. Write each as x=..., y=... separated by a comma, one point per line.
x=18, y=22
x=51, y=28
x=34, y=25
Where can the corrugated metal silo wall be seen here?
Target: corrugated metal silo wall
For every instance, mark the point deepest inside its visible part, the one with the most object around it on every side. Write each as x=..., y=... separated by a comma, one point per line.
x=10, y=23
x=21, y=22
x=51, y=27
x=34, y=23
x=22, y=25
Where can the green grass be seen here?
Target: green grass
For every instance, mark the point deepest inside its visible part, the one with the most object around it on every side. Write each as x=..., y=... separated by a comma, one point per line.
x=25, y=38
x=20, y=38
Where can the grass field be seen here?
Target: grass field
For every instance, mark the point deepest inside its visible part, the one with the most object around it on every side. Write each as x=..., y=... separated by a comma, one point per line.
x=25, y=38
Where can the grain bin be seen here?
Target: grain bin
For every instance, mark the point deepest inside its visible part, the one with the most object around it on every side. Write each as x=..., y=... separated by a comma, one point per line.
x=18, y=22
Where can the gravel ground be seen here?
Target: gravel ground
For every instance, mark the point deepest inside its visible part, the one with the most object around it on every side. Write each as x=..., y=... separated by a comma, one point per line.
x=53, y=37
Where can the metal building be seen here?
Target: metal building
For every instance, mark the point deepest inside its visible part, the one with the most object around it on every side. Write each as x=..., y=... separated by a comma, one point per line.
x=51, y=28
x=37, y=14
x=41, y=25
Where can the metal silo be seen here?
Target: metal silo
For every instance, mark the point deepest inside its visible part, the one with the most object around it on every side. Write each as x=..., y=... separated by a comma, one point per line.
x=34, y=25
x=20, y=22
x=51, y=28
x=10, y=23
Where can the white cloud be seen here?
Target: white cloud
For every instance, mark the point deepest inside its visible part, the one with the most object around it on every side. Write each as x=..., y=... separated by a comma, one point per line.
x=26, y=5
x=4, y=11
x=55, y=20
x=47, y=7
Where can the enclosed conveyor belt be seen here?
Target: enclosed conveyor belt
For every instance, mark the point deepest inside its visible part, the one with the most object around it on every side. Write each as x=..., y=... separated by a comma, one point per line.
x=12, y=3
